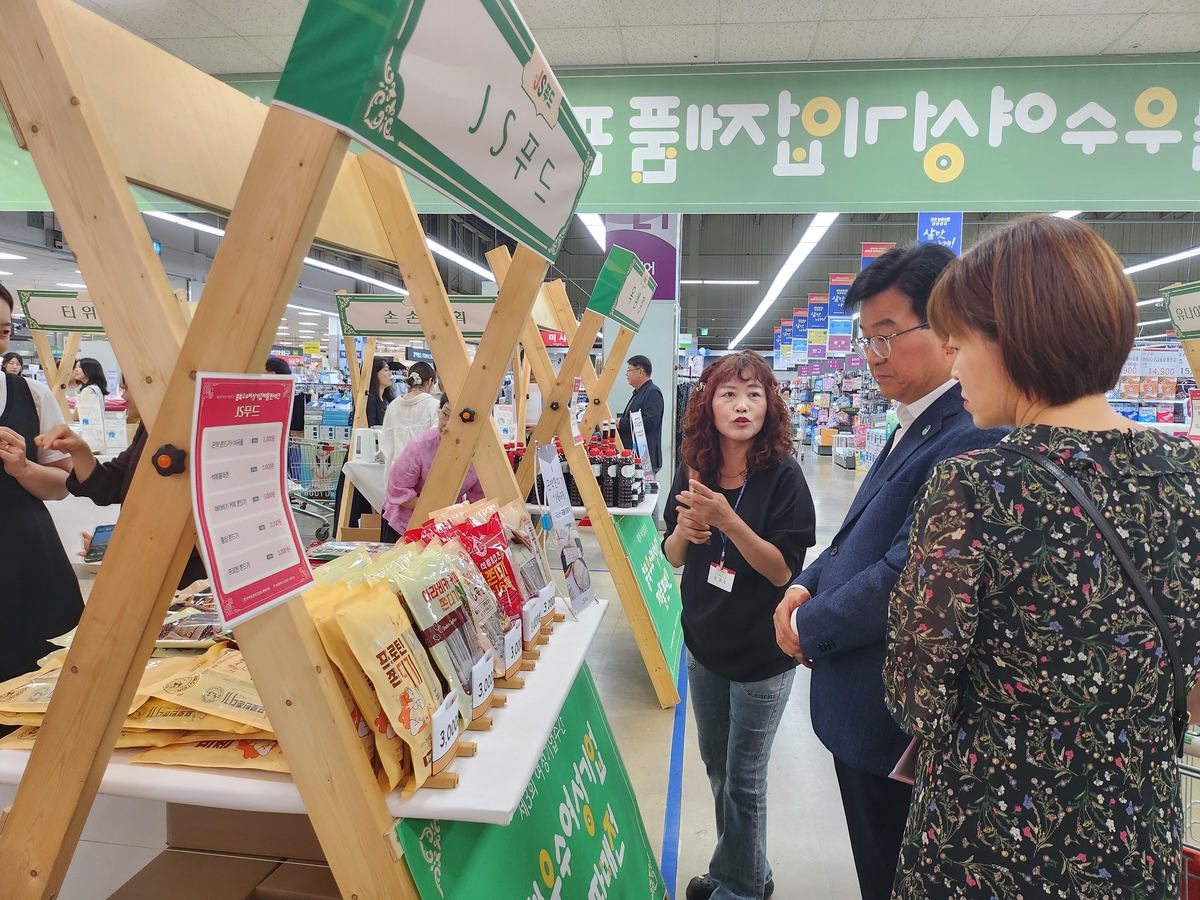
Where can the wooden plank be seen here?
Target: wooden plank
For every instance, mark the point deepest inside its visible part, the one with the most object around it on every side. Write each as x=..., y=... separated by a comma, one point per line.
x=598, y=408
x=523, y=394
x=58, y=374
x=614, y=364
x=407, y=240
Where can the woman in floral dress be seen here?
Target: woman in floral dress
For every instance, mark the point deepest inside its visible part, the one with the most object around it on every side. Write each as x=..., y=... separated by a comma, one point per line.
x=1020, y=653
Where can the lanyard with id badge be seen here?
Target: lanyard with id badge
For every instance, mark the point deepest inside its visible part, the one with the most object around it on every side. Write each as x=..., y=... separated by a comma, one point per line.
x=717, y=573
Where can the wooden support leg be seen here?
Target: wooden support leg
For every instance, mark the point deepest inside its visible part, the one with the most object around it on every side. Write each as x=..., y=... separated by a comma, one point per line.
x=598, y=408
x=58, y=374
x=614, y=362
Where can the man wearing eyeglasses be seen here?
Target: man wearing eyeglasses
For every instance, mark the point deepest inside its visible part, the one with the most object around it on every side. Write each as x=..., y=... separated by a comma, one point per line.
x=834, y=617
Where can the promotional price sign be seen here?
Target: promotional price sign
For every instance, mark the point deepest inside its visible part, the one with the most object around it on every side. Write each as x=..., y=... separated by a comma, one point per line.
x=60, y=311
x=458, y=93
x=785, y=342
x=800, y=333
x=577, y=834
x=818, y=325
x=393, y=315
x=623, y=289
x=244, y=524
x=566, y=536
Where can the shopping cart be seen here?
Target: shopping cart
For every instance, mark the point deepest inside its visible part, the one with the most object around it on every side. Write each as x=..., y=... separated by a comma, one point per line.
x=313, y=469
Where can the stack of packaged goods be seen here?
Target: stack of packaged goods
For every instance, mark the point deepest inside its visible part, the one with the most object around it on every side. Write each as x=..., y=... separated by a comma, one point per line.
x=418, y=633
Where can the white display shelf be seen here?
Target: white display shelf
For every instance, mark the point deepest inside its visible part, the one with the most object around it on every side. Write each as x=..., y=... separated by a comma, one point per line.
x=491, y=784
x=645, y=508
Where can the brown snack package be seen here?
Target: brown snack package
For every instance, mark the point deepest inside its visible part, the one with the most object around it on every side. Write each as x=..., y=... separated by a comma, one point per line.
x=155, y=714
x=234, y=753
x=23, y=738
x=224, y=689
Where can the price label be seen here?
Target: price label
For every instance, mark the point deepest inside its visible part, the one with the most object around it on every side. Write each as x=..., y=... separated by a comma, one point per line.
x=512, y=647
x=483, y=679
x=531, y=619
x=445, y=726
x=547, y=597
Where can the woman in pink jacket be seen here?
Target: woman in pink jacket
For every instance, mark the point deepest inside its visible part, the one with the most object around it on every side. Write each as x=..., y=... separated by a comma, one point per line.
x=407, y=477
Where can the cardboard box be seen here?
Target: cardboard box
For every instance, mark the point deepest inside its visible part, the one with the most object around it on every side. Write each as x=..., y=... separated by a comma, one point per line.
x=326, y=432
x=312, y=432
x=299, y=881
x=245, y=833
x=185, y=875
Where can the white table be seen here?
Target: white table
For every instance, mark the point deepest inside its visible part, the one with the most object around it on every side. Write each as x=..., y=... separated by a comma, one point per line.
x=645, y=508
x=491, y=783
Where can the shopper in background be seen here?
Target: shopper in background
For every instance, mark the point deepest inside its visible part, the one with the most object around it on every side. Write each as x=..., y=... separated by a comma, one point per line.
x=1020, y=651
x=89, y=376
x=40, y=597
x=380, y=393
x=400, y=380
x=740, y=528
x=276, y=366
x=648, y=400
x=834, y=617
x=14, y=363
x=408, y=416
x=407, y=477
x=108, y=483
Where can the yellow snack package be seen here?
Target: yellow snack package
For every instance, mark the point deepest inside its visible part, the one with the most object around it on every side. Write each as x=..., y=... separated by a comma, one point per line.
x=199, y=737
x=349, y=568
x=233, y=753
x=155, y=715
x=19, y=719
x=23, y=738
x=389, y=749
x=374, y=625
x=223, y=689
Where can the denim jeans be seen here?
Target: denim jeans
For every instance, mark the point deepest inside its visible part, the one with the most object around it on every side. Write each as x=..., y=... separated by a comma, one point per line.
x=736, y=723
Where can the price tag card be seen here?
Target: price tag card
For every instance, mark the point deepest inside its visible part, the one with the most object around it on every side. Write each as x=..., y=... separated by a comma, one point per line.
x=512, y=649
x=483, y=679
x=244, y=523
x=445, y=730
x=546, y=595
x=531, y=619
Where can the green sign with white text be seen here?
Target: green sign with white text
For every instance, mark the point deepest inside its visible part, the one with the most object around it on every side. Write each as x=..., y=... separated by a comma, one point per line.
x=623, y=289
x=1115, y=133
x=1183, y=306
x=577, y=835
x=640, y=538
x=455, y=91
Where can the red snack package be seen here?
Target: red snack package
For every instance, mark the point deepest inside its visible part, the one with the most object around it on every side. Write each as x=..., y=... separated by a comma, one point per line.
x=488, y=548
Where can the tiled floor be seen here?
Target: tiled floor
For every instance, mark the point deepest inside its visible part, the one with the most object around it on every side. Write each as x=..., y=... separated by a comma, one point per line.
x=806, y=837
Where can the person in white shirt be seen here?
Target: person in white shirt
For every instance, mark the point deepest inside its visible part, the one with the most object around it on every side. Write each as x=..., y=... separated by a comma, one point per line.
x=408, y=416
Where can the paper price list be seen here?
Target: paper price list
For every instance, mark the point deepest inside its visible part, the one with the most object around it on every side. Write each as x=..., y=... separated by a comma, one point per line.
x=241, y=466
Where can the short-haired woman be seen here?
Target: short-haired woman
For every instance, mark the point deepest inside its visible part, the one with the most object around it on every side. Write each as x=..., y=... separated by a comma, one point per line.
x=743, y=521
x=1020, y=652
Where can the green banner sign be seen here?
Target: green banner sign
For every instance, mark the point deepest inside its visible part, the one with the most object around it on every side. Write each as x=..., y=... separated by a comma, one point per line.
x=978, y=135
x=577, y=835
x=623, y=289
x=455, y=91
x=660, y=590
x=60, y=311
x=393, y=315
x=1183, y=306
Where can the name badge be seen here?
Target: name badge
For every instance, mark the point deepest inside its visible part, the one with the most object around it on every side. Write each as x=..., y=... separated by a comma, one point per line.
x=721, y=577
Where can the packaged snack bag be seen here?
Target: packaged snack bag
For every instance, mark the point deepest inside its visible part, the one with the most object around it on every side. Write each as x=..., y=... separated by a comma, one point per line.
x=160, y=715
x=224, y=689
x=235, y=753
x=433, y=593
x=531, y=565
x=322, y=604
x=189, y=628
x=489, y=620
x=198, y=737
x=488, y=548
x=374, y=626
x=348, y=568
x=23, y=738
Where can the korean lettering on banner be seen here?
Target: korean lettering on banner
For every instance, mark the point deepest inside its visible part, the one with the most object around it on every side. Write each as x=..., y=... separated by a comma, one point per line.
x=944, y=229
x=59, y=311
x=839, y=286
x=818, y=325
x=393, y=315
x=777, y=364
x=855, y=363
x=898, y=136
x=577, y=833
x=872, y=252
x=800, y=333
x=785, y=342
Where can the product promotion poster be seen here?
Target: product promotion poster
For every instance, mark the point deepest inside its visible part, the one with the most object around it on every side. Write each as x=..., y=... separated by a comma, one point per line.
x=839, y=286
x=564, y=533
x=577, y=834
x=872, y=252
x=941, y=228
x=785, y=342
x=660, y=589
x=654, y=240
x=643, y=445
x=841, y=329
x=244, y=524
x=799, y=334
x=778, y=352
x=818, y=325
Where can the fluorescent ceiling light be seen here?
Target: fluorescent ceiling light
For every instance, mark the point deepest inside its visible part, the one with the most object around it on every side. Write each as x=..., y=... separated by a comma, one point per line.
x=725, y=281
x=323, y=312
x=1174, y=257
x=5, y=273
x=808, y=242
x=72, y=284
x=309, y=315
x=12, y=256
x=357, y=276
x=1153, y=322
x=458, y=259
x=1067, y=213
x=194, y=224
x=1150, y=302
x=594, y=223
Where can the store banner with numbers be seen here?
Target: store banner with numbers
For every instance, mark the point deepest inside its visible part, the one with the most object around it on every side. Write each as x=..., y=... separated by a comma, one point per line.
x=818, y=325
x=238, y=468
x=872, y=252
x=800, y=334
x=1104, y=133
x=945, y=229
x=660, y=589
x=839, y=286
x=577, y=835
x=458, y=93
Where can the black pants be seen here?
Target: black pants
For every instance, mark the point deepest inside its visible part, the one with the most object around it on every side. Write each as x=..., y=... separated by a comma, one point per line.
x=876, y=813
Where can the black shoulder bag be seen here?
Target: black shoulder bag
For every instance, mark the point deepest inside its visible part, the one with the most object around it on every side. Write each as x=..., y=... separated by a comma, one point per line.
x=1180, y=716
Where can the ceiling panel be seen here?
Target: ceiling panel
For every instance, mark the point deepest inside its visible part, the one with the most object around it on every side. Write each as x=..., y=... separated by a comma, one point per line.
x=566, y=14
x=167, y=18
x=880, y=39
x=1160, y=33
x=1094, y=7
x=957, y=9
x=939, y=38
x=778, y=42
x=666, y=44
x=582, y=46
x=260, y=17
x=867, y=10
x=737, y=12
x=274, y=48
x=634, y=13
x=220, y=56
x=1069, y=35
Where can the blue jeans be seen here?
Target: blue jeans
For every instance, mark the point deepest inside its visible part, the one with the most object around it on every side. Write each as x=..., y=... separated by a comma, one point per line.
x=736, y=723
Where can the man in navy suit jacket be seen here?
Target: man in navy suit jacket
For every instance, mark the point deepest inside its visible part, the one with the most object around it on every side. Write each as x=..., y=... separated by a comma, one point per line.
x=834, y=617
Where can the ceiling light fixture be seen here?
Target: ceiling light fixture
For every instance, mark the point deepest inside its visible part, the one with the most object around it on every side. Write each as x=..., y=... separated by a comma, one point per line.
x=459, y=260
x=1153, y=322
x=5, y=273
x=1066, y=213
x=723, y=281
x=73, y=284
x=594, y=223
x=12, y=256
x=1152, y=302
x=194, y=224
x=820, y=224
x=1174, y=257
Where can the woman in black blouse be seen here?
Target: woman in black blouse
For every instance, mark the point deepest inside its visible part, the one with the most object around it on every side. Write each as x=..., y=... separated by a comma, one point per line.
x=380, y=393
x=741, y=528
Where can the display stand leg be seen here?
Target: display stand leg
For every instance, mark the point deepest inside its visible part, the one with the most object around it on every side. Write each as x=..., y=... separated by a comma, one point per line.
x=523, y=395
x=58, y=374
x=614, y=361
x=605, y=529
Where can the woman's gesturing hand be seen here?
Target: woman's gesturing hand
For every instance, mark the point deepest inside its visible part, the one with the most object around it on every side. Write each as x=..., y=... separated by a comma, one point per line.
x=13, y=453
x=707, y=506
x=693, y=529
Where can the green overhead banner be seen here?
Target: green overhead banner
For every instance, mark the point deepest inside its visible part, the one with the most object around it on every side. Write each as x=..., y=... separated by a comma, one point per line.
x=981, y=135
x=455, y=91
x=577, y=835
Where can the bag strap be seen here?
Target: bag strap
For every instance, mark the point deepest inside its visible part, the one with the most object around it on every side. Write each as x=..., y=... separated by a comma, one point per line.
x=1169, y=643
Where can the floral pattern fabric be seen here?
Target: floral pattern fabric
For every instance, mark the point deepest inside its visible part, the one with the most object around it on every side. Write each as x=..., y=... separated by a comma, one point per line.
x=1035, y=676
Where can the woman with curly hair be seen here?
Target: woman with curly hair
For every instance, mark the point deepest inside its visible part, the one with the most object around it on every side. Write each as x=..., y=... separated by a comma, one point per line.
x=743, y=522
